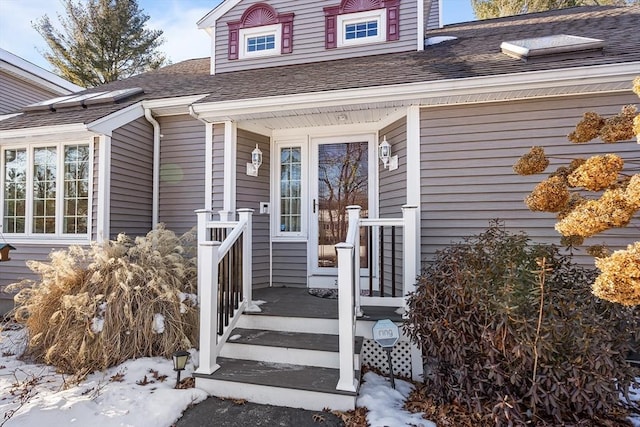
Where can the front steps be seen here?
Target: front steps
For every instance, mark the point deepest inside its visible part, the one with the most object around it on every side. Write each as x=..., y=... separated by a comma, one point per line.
x=283, y=361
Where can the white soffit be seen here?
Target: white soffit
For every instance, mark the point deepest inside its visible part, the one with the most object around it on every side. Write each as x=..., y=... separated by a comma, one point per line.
x=550, y=45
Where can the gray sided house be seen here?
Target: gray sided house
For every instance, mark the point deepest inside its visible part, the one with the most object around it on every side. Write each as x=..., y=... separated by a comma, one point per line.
x=305, y=109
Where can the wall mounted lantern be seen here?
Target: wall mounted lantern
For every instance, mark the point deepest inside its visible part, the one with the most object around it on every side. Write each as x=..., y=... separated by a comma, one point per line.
x=256, y=162
x=384, y=154
x=4, y=251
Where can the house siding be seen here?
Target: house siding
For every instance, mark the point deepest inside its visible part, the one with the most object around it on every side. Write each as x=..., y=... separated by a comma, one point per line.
x=16, y=93
x=250, y=191
x=432, y=14
x=392, y=196
x=289, y=264
x=182, y=171
x=131, y=189
x=309, y=36
x=466, y=166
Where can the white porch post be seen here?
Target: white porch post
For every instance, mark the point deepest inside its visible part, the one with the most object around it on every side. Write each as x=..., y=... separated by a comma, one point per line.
x=354, y=218
x=346, y=317
x=244, y=215
x=204, y=216
x=409, y=264
x=208, y=284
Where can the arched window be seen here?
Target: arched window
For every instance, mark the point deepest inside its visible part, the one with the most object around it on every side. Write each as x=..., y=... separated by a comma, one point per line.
x=355, y=22
x=261, y=31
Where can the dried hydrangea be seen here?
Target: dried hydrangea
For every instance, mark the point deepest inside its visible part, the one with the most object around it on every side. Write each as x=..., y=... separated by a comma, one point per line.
x=532, y=163
x=636, y=127
x=632, y=191
x=636, y=85
x=550, y=195
x=619, y=280
x=571, y=241
x=609, y=211
x=588, y=128
x=619, y=127
x=597, y=173
x=598, y=251
x=574, y=200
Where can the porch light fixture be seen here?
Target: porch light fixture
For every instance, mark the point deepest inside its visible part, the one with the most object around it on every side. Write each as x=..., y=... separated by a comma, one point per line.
x=256, y=162
x=180, y=359
x=384, y=154
x=4, y=251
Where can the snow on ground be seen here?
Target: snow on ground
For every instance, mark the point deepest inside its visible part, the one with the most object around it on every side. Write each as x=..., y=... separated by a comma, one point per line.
x=140, y=393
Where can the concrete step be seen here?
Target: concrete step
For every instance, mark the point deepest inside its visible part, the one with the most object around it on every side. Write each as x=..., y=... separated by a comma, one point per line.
x=286, y=347
x=296, y=386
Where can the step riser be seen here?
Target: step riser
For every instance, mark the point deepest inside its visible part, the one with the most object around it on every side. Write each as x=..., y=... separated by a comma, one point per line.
x=289, y=324
x=293, y=398
x=325, y=359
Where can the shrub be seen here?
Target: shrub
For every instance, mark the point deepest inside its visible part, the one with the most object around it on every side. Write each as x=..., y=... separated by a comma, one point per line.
x=95, y=307
x=511, y=330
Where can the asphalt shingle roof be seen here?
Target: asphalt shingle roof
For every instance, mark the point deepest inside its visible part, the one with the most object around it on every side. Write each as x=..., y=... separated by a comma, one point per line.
x=475, y=52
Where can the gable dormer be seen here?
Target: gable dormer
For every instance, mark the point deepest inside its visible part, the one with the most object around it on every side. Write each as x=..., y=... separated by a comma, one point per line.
x=248, y=34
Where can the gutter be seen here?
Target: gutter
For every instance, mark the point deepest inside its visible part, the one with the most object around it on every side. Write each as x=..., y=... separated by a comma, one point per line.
x=156, y=168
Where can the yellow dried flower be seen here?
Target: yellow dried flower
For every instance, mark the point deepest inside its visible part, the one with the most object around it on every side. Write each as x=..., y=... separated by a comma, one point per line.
x=532, y=163
x=597, y=173
x=636, y=127
x=587, y=129
x=620, y=126
x=550, y=195
x=575, y=200
x=598, y=251
x=632, y=191
x=620, y=278
x=636, y=85
x=609, y=211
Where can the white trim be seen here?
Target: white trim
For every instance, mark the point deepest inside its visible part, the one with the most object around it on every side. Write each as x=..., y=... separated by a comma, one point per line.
x=106, y=125
x=35, y=74
x=104, y=185
x=530, y=85
x=440, y=4
x=245, y=34
x=8, y=116
x=378, y=15
x=59, y=131
x=230, y=142
x=212, y=52
x=208, y=166
x=172, y=106
x=209, y=20
x=413, y=155
x=420, y=35
x=301, y=141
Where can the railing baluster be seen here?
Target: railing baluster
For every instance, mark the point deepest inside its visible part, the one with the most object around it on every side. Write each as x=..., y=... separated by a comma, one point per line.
x=381, y=285
x=393, y=261
x=370, y=258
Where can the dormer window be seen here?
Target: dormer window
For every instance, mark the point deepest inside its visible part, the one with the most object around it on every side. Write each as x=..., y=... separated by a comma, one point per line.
x=356, y=22
x=261, y=31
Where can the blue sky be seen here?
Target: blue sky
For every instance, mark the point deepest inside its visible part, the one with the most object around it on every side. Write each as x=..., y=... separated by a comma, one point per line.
x=177, y=18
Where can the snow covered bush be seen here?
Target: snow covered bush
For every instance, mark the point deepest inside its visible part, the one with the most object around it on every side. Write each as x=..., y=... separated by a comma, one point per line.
x=511, y=330
x=93, y=308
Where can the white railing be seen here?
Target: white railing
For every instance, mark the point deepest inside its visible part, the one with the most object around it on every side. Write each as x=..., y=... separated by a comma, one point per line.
x=349, y=299
x=219, y=299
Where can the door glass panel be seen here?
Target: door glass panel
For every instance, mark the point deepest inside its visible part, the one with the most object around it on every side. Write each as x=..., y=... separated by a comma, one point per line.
x=343, y=171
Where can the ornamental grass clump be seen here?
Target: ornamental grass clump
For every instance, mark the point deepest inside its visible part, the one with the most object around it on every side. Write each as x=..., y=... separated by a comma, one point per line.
x=511, y=332
x=93, y=308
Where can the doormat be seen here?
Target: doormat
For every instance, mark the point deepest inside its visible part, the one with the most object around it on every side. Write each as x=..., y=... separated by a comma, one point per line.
x=324, y=293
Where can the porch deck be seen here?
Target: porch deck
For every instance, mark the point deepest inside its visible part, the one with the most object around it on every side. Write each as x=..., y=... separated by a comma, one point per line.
x=298, y=302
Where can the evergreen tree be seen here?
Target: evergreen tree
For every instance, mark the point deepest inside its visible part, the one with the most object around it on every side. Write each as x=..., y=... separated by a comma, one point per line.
x=485, y=9
x=101, y=41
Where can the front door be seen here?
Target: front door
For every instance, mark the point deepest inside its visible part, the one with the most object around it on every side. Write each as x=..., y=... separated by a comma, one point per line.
x=340, y=178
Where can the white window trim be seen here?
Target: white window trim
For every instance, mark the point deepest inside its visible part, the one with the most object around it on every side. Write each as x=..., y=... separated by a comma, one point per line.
x=265, y=30
x=379, y=15
x=289, y=236
x=29, y=236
